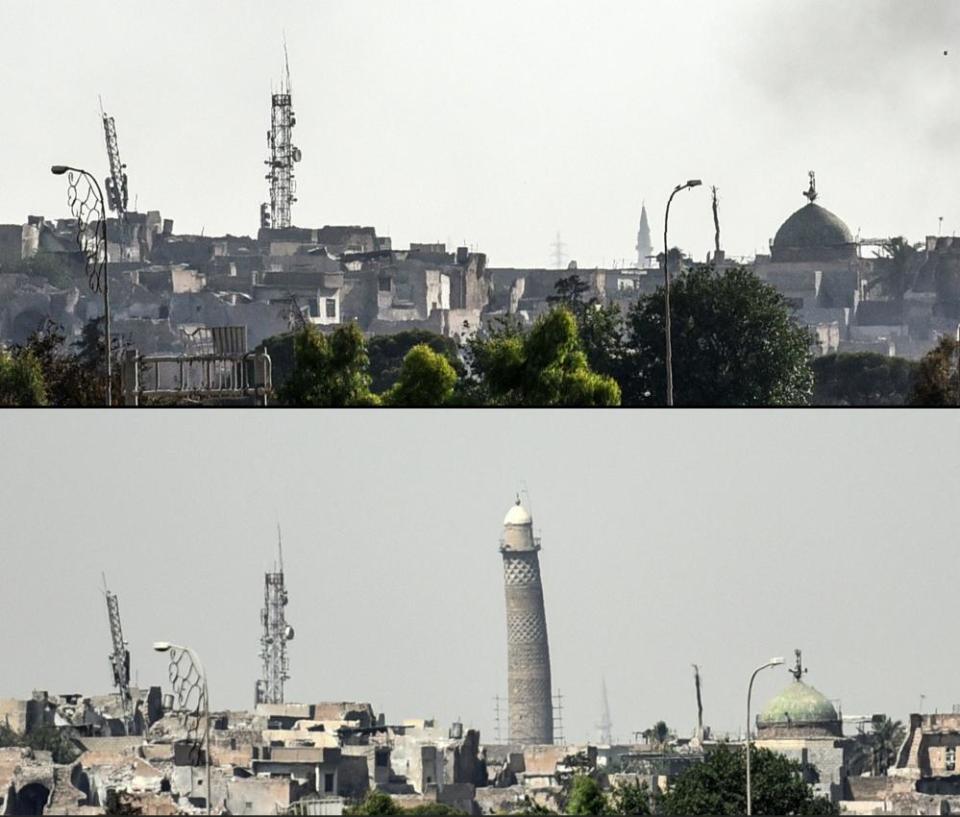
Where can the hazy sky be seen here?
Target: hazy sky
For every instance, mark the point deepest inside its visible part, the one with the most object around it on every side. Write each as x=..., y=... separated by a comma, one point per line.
x=497, y=123
x=721, y=538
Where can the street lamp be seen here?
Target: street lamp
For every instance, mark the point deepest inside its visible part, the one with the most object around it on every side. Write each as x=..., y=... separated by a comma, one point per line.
x=666, y=283
x=189, y=684
x=773, y=662
x=86, y=208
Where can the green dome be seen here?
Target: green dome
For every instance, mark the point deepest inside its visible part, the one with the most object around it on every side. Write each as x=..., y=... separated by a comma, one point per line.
x=812, y=227
x=798, y=703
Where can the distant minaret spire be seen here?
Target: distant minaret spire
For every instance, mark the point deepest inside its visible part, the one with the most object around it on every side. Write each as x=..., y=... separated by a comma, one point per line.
x=605, y=726
x=644, y=244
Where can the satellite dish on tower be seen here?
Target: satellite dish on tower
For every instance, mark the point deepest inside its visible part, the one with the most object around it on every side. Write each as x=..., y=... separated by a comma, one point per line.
x=297, y=154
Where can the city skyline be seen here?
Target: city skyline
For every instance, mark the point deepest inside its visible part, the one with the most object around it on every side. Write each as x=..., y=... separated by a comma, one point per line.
x=404, y=607
x=193, y=142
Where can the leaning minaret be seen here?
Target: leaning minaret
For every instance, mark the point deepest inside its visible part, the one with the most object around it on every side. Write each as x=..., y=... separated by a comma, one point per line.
x=528, y=656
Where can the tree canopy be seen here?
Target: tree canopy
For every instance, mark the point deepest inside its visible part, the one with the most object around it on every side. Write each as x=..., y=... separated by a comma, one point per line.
x=862, y=379
x=718, y=785
x=329, y=372
x=936, y=380
x=426, y=379
x=734, y=343
x=545, y=366
x=21, y=380
x=387, y=352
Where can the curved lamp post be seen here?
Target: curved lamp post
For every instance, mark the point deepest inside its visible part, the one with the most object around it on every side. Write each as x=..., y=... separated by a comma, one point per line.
x=189, y=684
x=87, y=208
x=666, y=284
x=773, y=662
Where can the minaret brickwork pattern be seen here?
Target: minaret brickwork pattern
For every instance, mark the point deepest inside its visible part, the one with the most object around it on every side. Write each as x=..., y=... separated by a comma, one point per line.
x=528, y=655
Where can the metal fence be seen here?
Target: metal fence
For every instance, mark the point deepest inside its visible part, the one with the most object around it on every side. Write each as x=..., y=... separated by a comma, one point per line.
x=203, y=377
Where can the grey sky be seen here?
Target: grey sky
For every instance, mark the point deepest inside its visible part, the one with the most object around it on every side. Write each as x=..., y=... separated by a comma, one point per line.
x=497, y=123
x=720, y=538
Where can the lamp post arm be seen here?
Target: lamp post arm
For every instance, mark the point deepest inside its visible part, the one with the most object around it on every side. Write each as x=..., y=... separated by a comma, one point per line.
x=666, y=298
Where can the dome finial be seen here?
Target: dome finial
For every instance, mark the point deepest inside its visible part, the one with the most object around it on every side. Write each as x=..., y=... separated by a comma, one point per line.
x=798, y=671
x=811, y=193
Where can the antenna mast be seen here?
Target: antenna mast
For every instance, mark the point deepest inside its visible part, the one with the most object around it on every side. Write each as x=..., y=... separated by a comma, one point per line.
x=283, y=155
x=276, y=634
x=606, y=727
x=120, y=657
x=116, y=182
x=559, y=252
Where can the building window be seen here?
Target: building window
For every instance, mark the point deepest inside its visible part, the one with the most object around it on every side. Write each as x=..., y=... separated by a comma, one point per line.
x=331, y=308
x=382, y=758
x=951, y=757
x=328, y=783
x=384, y=284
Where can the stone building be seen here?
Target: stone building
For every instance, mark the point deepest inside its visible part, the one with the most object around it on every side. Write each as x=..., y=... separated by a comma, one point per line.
x=803, y=725
x=528, y=654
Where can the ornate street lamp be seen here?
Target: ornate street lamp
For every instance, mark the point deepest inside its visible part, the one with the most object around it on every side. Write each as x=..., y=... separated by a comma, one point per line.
x=87, y=205
x=189, y=684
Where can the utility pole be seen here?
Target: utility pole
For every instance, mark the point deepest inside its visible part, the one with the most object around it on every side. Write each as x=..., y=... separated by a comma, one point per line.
x=716, y=222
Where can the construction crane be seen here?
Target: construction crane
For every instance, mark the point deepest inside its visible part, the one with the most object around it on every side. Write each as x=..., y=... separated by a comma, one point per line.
x=116, y=182
x=276, y=634
x=119, y=658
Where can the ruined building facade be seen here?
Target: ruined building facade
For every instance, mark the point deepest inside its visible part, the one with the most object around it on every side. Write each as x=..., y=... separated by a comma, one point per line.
x=528, y=655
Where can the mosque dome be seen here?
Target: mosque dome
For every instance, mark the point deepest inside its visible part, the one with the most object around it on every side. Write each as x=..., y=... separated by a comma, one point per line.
x=812, y=227
x=799, y=703
x=813, y=233
x=800, y=710
x=517, y=515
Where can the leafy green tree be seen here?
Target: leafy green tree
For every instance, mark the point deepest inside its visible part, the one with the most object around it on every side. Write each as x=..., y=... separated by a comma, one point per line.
x=426, y=379
x=862, y=379
x=734, y=343
x=73, y=376
x=21, y=380
x=600, y=328
x=631, y=798
x=899, y=273
x=375, y=803
x=543, y=367
x=586, y=797
x=718, y=786
x=329, y=371
x=387, y=353
x=936, y=380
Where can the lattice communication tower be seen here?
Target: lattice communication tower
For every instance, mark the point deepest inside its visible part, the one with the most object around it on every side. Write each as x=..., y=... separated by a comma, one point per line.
x=120, y=657
x=276, y=634
x=283, y=156
x=116, y=182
